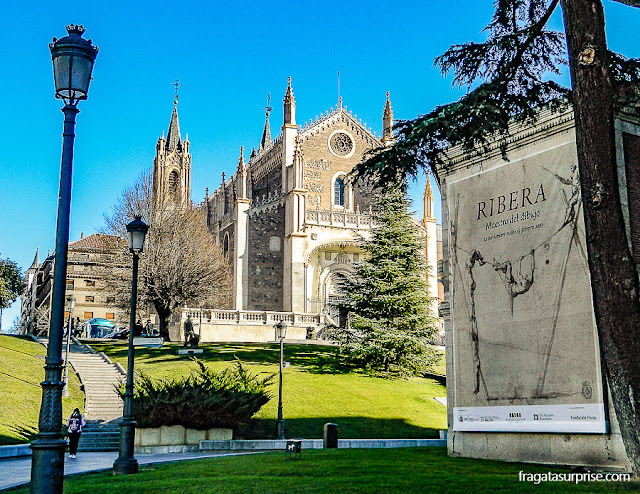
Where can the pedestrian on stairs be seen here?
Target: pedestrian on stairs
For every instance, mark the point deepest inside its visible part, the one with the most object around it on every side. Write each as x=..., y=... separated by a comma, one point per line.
x=75, y=422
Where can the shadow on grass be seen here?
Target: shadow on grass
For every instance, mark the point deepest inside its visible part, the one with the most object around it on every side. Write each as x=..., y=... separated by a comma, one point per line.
x=20, y=435
x=314, y=358
x=349, y=427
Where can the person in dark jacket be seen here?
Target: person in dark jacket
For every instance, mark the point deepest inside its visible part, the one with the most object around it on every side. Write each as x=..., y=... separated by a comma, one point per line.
x=75, y=422
x=137, y=329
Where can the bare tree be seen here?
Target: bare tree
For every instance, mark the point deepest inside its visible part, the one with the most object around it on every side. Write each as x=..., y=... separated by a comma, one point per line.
x=181, y=263
x=134, y=200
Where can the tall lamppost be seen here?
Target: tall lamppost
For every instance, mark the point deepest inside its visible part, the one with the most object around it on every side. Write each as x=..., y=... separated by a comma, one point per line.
x=73, y=59
x=126, y=463
x=281, y=332
x=71, y=303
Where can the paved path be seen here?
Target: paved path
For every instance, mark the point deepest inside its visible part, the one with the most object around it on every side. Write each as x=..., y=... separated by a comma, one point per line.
x=17, y=471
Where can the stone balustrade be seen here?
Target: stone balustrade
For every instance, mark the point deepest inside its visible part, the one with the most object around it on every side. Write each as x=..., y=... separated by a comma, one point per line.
x=342, y=219
x=249, y=325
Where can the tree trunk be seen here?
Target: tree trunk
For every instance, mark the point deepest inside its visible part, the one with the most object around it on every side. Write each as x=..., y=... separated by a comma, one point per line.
x=614, y=280
x=164, y=315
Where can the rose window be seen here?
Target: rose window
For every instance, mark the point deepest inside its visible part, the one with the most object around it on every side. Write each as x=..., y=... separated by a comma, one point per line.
x=341, y=144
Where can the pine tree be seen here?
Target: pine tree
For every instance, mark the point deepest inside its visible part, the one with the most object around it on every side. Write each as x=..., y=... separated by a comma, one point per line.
x=387, y=301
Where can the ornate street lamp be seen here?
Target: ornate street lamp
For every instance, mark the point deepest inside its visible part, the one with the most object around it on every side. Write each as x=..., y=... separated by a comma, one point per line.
x=281, y=333
x=126, y=463
x=73, y=59
x=71, y=303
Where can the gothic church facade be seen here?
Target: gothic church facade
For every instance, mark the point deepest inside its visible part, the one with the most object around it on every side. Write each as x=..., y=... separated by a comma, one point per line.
x=289, y=220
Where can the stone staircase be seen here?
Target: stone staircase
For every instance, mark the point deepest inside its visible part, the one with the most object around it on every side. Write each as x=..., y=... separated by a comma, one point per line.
x=103, y=407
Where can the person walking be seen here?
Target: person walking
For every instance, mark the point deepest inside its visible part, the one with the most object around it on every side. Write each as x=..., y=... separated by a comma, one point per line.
x=75, y=422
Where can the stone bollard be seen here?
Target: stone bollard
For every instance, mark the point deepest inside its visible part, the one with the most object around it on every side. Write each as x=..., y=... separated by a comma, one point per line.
x=330, y=435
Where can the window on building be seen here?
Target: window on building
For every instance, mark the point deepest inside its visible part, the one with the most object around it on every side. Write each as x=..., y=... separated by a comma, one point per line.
x=90, y=282
x=225, y=245
x=89, y=298
x=338, y=192
x=66, y=315
x=88, y=315
x=111, y=300
x=174, y=185
x=109, y=315
x=69, y=284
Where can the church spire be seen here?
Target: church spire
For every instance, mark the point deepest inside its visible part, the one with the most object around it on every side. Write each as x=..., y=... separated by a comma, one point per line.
x=266, y=133
x=289, y=106
x=173, y=135
x=36, y=259
x=387, y=122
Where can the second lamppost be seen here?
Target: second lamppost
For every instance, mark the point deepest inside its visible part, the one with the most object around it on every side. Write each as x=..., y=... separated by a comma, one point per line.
x=71, y=303
x=126, y=463
x=281, y=333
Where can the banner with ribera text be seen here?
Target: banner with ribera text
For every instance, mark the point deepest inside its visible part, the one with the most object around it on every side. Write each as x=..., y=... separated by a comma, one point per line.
x=526, y=351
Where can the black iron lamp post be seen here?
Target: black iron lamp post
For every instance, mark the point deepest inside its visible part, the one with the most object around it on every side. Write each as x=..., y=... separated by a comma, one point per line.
x=73, y=59
x=126, y=463
x=71, y=303
x=281, y=333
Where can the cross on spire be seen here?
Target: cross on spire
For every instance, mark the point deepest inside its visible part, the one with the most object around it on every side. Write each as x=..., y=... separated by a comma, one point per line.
x=176, y=84
x=268, y=107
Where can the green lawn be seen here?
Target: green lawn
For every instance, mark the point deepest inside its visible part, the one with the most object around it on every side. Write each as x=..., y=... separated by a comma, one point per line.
x=315, y=391
x=352, y=471
x=21, y=372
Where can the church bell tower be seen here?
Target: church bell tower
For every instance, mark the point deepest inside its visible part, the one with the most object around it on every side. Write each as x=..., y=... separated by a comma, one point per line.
x=172, y=167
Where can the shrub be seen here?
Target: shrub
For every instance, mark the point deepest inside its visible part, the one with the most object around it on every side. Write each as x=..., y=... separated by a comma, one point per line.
x=203, y=400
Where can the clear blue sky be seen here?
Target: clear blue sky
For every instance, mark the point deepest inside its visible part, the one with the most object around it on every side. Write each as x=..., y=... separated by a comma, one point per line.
x=228, y=55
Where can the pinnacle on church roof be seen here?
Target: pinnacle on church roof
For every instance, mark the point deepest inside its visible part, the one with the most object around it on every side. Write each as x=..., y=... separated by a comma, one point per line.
x=36, y=259
x=173, y=135
x=288, y=96
x=388, y=111
x=241, y=164
x=266, y=133
x=387, y=121
x=289, y=105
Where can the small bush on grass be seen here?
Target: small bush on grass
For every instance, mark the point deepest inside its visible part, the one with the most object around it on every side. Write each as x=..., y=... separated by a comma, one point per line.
x=203, y=400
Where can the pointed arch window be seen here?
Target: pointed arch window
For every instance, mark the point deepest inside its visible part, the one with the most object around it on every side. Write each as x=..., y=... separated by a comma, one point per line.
x=174, y=185
x=338, y=192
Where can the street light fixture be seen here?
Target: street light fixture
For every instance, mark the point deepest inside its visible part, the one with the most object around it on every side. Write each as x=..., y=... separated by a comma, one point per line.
x=71, y=303
x=126, y=463
x=281, y=333
x=73, y=59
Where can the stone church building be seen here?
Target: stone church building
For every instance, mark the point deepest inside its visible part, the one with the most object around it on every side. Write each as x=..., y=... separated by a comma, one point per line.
x=289, y=219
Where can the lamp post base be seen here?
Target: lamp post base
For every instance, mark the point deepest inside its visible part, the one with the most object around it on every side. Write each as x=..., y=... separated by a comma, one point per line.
x=126, y=463
x=47, y=465
x=280, y=423
x=125, y=466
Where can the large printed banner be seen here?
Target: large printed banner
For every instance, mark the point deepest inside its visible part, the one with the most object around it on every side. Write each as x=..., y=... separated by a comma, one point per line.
x=526, y=353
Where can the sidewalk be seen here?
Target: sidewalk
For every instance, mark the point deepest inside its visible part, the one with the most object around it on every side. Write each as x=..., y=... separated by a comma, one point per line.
x=17, y=471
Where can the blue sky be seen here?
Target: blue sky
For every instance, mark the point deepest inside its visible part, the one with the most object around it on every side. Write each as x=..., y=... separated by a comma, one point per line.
x=228, y=55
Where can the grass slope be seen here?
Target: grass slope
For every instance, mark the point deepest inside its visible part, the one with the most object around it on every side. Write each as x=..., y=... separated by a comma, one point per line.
x=353, y=471
x=315, y=391
x=21, y=372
